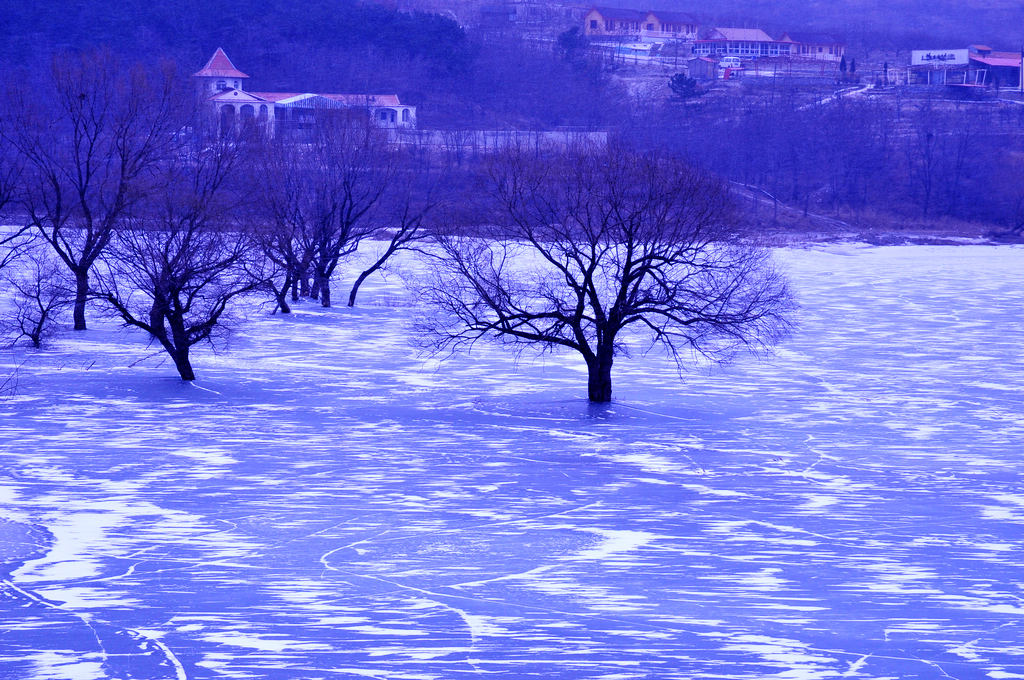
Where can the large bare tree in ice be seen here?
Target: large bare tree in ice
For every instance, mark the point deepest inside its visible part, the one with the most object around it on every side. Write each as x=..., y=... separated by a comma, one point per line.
x=179, y=259
x=87, y=131
x=589, y=249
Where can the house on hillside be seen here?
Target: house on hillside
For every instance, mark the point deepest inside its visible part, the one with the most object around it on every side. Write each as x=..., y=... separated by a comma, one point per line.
x=219, y=87
x=661, y=24
x=976, y=66
x=820, y=46
x=613, y=22
x=637, y=24
x=1003, y=69
x=947, y=67
x=747, y=43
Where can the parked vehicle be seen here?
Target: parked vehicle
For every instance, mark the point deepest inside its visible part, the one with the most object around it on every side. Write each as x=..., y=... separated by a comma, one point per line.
x=730, y=68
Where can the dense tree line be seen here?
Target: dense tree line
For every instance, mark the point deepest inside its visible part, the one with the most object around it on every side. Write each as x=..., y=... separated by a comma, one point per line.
x=134, y=27
x=881, y=154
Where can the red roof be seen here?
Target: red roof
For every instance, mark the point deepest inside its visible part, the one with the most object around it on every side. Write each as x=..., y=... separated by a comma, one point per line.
x=219, y=66
x=998, y=58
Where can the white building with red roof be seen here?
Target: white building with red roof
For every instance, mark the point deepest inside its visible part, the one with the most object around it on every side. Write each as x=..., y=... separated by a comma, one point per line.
x=220, y=89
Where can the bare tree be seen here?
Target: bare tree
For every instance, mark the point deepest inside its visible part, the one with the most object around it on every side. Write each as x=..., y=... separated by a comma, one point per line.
x=403, y=218
x=178, y=261
x=593, y=249
x=87, y=131
x=317, y=200
x=41, y=289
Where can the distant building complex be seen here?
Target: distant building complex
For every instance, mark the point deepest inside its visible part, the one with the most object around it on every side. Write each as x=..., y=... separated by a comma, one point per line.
x=620, y=25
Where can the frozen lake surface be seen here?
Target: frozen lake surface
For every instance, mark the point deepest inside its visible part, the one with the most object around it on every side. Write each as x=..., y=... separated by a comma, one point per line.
x=323, y=503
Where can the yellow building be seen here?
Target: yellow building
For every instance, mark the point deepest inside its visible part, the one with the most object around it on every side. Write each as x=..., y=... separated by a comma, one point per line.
x=638, y=24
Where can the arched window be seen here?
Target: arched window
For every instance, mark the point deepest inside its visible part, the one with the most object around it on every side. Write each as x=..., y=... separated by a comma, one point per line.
x=405, y=115
x=227, y=120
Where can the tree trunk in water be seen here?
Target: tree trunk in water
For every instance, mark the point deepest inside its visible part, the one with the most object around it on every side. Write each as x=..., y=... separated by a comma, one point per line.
x=599, y=382
x=355, y=288
x=183, y=365
x=81, y=295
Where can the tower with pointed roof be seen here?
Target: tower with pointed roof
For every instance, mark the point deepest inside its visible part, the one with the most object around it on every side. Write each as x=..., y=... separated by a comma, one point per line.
x=219, y=88
x=218, y=75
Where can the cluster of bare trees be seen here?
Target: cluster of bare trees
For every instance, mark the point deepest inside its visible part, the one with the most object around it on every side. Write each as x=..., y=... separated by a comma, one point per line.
x=116, y=200
x=118, y=203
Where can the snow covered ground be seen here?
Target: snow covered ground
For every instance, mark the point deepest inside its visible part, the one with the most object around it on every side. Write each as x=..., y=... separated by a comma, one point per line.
x=325, y=503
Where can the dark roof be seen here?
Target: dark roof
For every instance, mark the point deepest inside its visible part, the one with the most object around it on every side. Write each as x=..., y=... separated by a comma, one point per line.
x=676, y=17
x=619, y=13
x=734, y=34
x=813, y=38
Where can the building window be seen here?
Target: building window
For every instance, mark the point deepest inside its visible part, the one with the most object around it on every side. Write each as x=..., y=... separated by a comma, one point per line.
x=384, y=115
x=222, y=85
x=650, y=27
x=405, y=115
x=593, y=24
